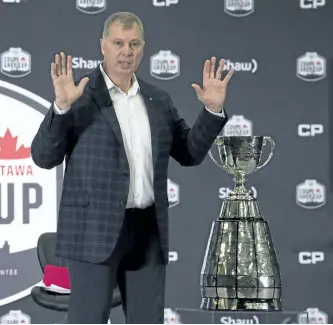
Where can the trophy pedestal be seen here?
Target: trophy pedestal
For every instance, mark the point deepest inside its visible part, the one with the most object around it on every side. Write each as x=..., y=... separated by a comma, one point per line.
x=198, y=316
x=241, y=304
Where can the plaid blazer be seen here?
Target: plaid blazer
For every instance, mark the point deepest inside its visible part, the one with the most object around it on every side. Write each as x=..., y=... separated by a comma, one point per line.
x=96, y=180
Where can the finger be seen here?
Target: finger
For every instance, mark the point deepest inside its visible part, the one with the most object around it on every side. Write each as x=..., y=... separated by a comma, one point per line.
x=198, y=90
x=220, y=69
x=63, y=63
x=212, y=67
x=228, y=76
x=69, y=68
x=206, y=70
x=57, y=64
x=83, y=83
x=53, y=71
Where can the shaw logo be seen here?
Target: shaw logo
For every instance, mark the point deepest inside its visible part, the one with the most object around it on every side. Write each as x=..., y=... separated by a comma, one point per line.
x=15, y=317
x=224, y=192
x=91, y=6
x=251, y=66
x=28, y=194
x=81, y=63
x=231, y=320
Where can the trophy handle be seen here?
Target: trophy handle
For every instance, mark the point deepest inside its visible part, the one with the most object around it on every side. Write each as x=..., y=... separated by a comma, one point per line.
x=218, y=141
x=272, y=142
x=212, y=158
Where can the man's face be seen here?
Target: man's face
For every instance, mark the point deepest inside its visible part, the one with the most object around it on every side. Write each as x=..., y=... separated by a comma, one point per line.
x=122, y=49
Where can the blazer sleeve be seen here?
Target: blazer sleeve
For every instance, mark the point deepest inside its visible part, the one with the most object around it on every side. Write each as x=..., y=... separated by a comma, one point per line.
x=191, y=145
x=50, y=143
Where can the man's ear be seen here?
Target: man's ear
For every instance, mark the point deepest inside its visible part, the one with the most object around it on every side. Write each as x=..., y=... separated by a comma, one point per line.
x=102, y=45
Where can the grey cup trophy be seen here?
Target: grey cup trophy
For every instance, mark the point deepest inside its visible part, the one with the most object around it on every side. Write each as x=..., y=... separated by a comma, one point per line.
x=240, y=270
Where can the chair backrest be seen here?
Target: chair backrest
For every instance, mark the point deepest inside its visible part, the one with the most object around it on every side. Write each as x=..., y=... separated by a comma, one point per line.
x=45, y=251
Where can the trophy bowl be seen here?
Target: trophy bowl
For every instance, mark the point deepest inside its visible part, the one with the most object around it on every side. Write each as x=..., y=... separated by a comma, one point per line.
x=242, y=153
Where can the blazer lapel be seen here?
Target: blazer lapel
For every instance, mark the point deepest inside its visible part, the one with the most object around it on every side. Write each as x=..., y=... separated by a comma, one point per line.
x=149, y=98
x=105, y=105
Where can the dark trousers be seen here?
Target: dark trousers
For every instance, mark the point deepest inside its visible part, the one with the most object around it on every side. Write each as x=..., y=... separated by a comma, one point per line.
x=136, y=264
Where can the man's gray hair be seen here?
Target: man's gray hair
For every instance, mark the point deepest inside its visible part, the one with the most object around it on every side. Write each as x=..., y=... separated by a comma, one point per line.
x=126, y=19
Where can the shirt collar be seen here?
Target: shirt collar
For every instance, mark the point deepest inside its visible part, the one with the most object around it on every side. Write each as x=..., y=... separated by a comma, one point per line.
x=110, y=85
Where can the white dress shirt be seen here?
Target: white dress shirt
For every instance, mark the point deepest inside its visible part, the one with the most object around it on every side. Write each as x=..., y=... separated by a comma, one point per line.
x=135, y=128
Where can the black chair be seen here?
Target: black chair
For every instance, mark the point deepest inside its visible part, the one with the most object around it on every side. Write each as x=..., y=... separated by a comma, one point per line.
x=51, y=300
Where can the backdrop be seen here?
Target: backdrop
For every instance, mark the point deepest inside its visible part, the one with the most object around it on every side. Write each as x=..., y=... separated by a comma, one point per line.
x=281, y=51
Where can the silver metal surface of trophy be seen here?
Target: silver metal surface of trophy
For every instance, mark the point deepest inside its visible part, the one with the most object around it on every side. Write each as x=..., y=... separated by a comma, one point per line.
x=240, y=270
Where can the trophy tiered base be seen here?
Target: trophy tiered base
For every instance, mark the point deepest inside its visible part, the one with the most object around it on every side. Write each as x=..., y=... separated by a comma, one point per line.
x=240, y=270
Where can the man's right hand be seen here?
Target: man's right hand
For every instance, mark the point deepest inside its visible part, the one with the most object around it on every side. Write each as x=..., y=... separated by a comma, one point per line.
x=66, y=92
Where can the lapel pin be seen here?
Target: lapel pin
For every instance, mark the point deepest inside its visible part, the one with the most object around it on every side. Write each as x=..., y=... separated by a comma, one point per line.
x=150, y=99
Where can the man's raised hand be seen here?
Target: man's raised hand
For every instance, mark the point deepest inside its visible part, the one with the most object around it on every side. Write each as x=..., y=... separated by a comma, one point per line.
x=66, y=92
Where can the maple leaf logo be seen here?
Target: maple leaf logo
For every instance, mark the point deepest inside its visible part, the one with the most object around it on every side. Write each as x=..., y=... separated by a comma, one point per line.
x=8, y=149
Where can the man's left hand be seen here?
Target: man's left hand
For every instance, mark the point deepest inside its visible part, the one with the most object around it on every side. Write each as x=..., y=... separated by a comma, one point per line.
x=214, y=90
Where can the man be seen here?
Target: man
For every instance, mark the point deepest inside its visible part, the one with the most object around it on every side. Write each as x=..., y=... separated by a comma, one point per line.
x=117, y=133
